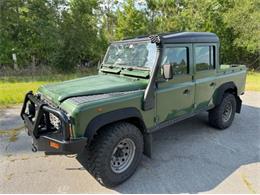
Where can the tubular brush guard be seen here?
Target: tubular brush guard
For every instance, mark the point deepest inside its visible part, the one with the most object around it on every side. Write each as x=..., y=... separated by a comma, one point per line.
x=35, y=114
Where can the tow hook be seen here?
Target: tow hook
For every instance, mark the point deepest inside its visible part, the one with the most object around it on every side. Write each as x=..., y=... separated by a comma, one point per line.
x=34, y=149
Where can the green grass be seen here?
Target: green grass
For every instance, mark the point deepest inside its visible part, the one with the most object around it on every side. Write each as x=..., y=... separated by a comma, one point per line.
x=13, y=93
x=12, y=89
x=253, y=81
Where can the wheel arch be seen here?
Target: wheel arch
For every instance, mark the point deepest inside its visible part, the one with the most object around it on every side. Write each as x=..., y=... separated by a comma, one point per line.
x=229, y=87
x=131, y=115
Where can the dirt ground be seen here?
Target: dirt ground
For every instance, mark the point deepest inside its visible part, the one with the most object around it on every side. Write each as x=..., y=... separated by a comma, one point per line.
x=188, y=157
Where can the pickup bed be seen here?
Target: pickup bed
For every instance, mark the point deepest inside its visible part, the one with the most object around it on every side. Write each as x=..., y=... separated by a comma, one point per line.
x=143, y=85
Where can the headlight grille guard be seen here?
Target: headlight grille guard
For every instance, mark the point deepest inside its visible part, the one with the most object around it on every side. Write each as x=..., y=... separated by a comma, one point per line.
x=39, y=110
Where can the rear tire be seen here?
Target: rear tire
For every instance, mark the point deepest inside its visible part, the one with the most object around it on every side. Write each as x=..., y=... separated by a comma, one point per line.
x=115, y=153
x=222, y=116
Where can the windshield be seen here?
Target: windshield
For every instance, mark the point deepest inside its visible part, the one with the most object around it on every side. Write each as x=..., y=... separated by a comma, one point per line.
x=139, y=54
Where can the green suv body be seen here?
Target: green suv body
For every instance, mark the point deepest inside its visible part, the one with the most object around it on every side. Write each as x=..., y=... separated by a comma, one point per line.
x=143, y=85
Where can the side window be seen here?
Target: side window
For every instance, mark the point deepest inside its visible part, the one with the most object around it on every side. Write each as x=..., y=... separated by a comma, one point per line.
x=178, y=57
x=205, y=57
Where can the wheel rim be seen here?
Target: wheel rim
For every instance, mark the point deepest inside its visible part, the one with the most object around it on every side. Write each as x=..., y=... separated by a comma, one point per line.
x=123, y=155
x=227, y=112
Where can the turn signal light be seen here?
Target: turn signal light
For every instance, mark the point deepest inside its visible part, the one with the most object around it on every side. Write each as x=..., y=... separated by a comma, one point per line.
x=54, y=145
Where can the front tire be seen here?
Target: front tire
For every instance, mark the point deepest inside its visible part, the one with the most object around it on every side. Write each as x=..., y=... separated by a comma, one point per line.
x=115, y=153
x=222, y=116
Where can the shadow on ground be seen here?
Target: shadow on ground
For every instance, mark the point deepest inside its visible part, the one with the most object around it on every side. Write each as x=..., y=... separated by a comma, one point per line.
x=191, y=157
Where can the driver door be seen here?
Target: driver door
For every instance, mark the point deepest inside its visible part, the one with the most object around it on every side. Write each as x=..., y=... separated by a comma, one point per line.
x=175, y=97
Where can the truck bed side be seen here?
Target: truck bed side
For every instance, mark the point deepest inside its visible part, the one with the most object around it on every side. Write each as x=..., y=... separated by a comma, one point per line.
x=232, y=73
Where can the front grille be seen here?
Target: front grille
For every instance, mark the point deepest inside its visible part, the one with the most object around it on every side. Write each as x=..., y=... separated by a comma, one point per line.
x=55, y=121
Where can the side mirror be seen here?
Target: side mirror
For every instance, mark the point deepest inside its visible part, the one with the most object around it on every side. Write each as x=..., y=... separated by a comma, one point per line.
x=167, y=71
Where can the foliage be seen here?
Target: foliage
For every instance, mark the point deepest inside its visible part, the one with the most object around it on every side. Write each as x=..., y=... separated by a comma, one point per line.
x=28, y=28
x=78, y=35
x=244, y=19
x=107, y=18
x=49, y=32
x=130, y=22
x=66, y=33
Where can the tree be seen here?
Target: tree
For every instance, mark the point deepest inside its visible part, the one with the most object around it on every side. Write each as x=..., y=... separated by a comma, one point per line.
x=196, y=15
x=244, y=20
x=130, y=21
x=78, y=35
x=10, y=29
x=107, y=18
x=28, y=28
x=64, y=33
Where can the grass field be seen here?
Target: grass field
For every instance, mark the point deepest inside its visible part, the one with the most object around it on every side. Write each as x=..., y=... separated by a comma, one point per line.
x=12, y=89
x=253, y=81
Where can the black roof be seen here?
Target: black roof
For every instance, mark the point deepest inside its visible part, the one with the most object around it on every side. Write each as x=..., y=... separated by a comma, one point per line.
x=189, y=37
x=182, y=37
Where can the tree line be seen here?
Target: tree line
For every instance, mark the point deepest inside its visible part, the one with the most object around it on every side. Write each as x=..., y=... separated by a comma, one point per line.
x=63, y=34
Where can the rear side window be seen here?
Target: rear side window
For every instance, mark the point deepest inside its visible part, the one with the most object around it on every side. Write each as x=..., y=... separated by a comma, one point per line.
x=178, y=57
x=205, y=57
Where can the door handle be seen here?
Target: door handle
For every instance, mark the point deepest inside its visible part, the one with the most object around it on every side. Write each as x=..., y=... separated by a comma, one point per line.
x=212, y=84
x=186, y=92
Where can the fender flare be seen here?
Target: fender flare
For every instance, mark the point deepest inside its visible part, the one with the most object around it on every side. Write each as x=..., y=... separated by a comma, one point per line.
x=219, y=92
x=110, y=117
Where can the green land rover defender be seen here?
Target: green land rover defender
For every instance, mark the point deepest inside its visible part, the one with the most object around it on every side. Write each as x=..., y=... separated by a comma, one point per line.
x=143, y=85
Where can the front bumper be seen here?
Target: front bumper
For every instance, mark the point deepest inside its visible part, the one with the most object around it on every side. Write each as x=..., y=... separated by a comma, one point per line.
x=46, y=137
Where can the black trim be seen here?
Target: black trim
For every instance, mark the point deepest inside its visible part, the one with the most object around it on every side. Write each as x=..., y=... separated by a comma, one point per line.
x=72, y=146
x=219, y=92
x=40, y=111
x=148, y=143
x=37, y=122
x=239, y=104
x=149, y=94
x=190, y=37
x=179, y=37
x=110, y=117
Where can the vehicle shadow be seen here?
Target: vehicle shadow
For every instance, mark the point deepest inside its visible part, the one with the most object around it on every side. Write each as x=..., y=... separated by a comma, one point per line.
x=192, y=157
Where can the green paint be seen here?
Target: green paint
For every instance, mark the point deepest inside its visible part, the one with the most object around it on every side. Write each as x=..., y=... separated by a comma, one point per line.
x=137, y=73
x=111, y=70
x=91, y=85
x=182, y=95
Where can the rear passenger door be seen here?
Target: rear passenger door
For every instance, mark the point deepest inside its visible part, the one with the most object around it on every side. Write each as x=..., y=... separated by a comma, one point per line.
x=175, y=97
x=205, y=74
